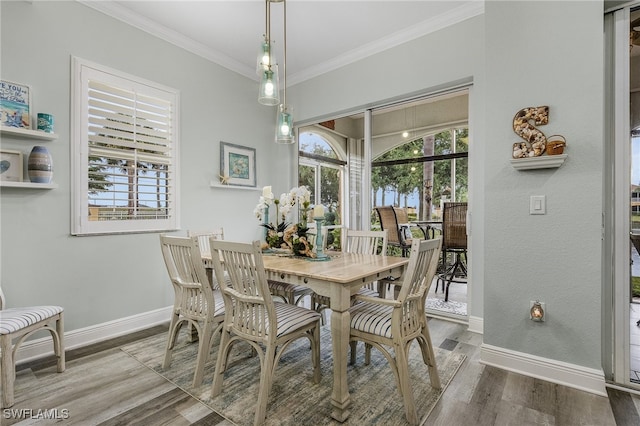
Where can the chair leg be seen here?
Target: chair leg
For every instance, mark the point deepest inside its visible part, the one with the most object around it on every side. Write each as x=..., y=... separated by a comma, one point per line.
x=58, y=343
x=353, y=345
x=429, y=357
x=7, y=370
x=315, y=354
x=221, y=363
x=367, y=354
x=402, y=364
x=171, y=339
x=266, y=376
x=204, y=346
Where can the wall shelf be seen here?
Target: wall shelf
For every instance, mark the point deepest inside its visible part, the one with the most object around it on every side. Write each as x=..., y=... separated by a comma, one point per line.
x=542, y=162
x=28, y=133
x=28, y=185
x=214, y=184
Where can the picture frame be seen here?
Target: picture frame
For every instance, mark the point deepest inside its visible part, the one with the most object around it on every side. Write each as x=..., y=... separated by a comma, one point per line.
x=11, y=166
x=237, y=165
x=15, y=105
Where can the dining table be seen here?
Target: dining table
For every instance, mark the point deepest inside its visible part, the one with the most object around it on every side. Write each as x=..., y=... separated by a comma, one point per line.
x=338, y=277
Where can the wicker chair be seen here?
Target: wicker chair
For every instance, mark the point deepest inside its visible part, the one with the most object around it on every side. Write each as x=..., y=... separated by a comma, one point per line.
x=20, y=323
x=195, y=302
x=454, y=241
x=393, y=324
x=395, y=221
x=253, y=317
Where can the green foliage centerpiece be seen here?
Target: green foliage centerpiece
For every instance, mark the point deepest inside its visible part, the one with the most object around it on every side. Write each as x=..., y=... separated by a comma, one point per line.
x=285, y=234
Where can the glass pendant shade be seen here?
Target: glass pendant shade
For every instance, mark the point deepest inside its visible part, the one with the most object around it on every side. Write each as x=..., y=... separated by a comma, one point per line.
x=264, y=57
x=269, y=88
x=284, y=126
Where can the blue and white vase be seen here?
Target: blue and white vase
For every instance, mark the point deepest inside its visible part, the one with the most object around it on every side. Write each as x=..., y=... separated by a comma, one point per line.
x=40, y=165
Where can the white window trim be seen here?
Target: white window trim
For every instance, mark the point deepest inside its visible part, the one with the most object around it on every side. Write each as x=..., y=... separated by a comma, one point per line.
x=80, y=224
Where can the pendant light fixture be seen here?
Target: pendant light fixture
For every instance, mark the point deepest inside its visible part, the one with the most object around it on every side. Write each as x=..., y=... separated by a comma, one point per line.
x=284, y=121
x=267, y=69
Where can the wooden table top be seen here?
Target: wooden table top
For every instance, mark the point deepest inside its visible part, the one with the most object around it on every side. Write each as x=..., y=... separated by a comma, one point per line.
x=342, y=268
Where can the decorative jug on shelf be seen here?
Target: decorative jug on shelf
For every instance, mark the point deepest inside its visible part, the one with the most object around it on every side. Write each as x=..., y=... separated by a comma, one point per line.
x=40, y=165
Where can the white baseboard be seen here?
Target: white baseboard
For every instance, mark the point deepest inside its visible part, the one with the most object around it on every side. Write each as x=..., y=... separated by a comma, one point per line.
x=38, y=348
x=476, y=324
x=575, y=376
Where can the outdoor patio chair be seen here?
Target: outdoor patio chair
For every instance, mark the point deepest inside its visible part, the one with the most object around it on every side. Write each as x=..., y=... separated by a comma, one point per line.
x=396, y=222
x=454, y=242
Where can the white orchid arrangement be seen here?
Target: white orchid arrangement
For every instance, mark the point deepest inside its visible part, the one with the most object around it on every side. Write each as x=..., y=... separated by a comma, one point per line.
x=282, y=234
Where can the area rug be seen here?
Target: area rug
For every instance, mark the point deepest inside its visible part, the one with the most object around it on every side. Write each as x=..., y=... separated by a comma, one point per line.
x=294, y=399
x=451, y=307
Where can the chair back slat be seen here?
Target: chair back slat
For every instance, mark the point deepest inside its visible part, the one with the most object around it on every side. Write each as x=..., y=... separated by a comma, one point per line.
x=203, y=238
x=423, y=262
x=454, y=225
x=187, y=274
x=365, y=242
x=248, y=303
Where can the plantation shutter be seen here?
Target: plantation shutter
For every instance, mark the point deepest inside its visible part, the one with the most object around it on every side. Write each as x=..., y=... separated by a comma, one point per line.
x=127, y=154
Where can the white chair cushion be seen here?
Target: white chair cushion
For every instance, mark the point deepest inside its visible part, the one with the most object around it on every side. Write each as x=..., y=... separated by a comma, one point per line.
x=15, y=319
x=372, y=318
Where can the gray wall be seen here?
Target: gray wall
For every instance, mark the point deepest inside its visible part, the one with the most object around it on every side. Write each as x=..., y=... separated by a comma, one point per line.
x=519, y=54
x=103, y=278
x=554, y=58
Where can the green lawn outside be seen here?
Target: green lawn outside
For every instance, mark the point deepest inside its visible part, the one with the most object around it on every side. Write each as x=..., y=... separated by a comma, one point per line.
x=635, y=286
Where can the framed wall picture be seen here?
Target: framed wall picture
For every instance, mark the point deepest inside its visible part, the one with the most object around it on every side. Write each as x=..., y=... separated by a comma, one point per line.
x=237, y=165
x=10, y=166
x=15, y=104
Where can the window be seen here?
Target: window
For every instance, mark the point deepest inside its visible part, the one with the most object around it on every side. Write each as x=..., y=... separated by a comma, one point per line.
x=125, y=152
x=320, y=169
x=423, y=173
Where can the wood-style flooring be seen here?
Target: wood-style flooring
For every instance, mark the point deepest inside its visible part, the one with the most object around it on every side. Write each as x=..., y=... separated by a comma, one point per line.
x=104, y=386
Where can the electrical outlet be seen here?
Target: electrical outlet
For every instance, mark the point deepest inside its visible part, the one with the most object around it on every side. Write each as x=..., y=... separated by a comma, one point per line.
x=537, y=311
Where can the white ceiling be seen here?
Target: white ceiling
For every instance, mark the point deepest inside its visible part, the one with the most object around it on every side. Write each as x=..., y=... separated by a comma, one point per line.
x=321, y=35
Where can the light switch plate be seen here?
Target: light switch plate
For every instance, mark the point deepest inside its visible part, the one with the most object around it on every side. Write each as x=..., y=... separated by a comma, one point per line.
x=538, y=204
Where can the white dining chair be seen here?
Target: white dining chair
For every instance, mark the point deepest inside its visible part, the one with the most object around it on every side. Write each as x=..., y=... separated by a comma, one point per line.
x=252, y=316
x=20, y=323
x=195, y=303
x=391, y=325
x=363, y=242
x=202, y=237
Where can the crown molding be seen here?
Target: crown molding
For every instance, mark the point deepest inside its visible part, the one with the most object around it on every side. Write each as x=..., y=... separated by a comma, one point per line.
x=428, y=26
x=123, y=14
